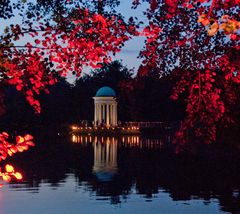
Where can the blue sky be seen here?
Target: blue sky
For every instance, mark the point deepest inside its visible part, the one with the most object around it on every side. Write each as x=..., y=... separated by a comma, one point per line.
x=131, y=50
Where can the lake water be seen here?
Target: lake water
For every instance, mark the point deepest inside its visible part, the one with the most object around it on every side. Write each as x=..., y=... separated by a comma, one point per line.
x=86, y=174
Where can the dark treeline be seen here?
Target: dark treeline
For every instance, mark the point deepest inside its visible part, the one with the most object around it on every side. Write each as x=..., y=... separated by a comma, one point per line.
x=140, y=98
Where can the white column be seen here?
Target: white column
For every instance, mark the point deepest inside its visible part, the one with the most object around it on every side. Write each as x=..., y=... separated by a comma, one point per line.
x=115, y=114
x=116, y=119
x=100, y=113
x=112, y=114
x=95, y=113
x=113, y=121
x=107, y=116
x=103, y=113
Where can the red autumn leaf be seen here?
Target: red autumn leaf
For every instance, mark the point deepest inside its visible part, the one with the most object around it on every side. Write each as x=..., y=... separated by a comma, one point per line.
x=28, y=137
x=153, y=5
x=30, y=143
x=37, y=41
x=9, y=168
x=18, y=176
x=19, y=139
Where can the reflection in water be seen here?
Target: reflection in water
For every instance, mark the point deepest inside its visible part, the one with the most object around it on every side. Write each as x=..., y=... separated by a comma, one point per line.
x=105, y=158
x=125, y=141
x=126, y=170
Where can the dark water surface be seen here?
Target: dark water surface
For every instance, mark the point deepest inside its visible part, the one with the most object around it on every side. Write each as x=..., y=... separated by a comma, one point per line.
x=86, y=174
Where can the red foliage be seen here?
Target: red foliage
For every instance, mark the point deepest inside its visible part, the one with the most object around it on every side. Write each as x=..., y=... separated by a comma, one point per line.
x=207, y=73
x=89, y=41
x=212, y=94
x=8, y=149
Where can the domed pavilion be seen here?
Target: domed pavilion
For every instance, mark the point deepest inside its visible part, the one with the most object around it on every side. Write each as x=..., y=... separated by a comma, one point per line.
x=105, y=107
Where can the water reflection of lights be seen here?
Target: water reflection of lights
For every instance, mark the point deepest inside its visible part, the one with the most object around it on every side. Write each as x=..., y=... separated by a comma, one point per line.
x=81, y=138
x=123, y=141
x=106, y=149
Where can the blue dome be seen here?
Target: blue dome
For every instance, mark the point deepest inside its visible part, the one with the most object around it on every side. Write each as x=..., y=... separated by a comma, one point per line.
x=105, y=92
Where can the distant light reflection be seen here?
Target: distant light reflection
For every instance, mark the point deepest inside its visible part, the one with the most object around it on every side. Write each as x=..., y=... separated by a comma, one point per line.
x=123, y=141
x=106, y=148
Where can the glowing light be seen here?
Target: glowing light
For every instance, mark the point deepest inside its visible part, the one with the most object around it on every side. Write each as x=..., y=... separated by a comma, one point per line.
x=6, y=178
x=9, y=168
x=74, y=127
x=18, y=175
x=74, y=139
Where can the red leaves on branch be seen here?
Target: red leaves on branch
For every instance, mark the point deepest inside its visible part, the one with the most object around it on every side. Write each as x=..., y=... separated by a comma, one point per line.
x=153, y=5
x=211, y=95
x=8, y=149
x=9, y=173
x=206, y=73
x=89, y=43
x=28, y=73
x=171, y=7
x=151, y=33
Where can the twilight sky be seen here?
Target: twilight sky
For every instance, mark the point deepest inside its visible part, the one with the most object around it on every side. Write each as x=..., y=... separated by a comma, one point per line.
x=130, y=52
